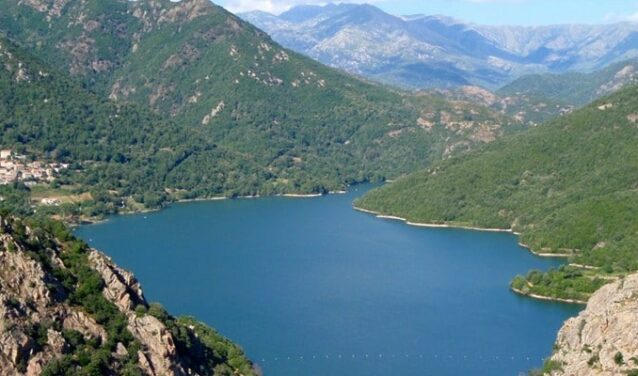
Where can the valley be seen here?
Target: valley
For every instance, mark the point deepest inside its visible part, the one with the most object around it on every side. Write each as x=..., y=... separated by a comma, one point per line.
x=324, y=289
x=128, y=107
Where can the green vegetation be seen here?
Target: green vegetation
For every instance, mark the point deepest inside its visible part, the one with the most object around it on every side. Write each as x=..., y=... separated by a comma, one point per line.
x=202, y=348
x=619, y=359
x=79, y=285
x=564, y=281
x=281, y=124
x=15, y=198
x=287, y=124
x=573, y=88
x=569, y=187
x=549, y=366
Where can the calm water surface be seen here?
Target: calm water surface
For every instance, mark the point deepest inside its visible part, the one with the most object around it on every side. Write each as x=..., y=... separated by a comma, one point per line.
x=312, y=287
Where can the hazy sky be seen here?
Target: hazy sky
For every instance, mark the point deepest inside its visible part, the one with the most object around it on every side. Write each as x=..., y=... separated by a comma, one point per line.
x=519, y=12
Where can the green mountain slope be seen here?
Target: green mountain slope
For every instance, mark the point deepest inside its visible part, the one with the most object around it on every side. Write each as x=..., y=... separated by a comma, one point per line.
x=569, y=187
x=116, y=150
x=530, y=109
x=574, y=88
x=208, y=105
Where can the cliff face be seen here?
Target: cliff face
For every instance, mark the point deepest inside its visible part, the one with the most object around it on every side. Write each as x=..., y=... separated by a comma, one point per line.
x=66, y=309
x=602, y=339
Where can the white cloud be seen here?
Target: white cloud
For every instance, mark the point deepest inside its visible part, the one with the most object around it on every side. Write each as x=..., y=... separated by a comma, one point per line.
x=618, y=17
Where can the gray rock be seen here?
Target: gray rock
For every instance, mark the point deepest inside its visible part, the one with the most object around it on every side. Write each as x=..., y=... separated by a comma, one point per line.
x=602, y=339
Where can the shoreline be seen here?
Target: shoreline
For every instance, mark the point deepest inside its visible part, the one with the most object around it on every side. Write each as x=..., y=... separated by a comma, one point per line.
x=99, y=220
x=582, y=266
x=462, y=227
x=300, y=195
x=289, y=195
x=549, y=298
x=543, y=254
x=433, y=225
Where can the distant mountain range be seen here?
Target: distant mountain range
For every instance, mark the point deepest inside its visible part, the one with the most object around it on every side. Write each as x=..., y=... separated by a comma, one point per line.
x=421, y=51
x=536, y=98
x=575, y=88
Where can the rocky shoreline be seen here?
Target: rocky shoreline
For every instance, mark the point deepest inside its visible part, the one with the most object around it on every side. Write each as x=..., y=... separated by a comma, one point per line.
x=64, y=305
x=603, y=339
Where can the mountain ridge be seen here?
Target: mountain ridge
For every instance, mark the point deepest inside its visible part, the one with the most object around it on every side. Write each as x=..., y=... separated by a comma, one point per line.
x=258, y=118
x=488, y=56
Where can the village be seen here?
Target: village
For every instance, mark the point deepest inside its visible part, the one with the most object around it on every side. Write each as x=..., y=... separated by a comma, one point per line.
x=19, y=168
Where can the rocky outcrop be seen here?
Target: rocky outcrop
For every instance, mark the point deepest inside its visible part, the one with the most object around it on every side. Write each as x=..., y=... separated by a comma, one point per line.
x=121, y=287
x=85, y=324
x=50, y=311
x=186, y=10
x=160, y=354
x=602, y=339
x=22, y=279
x=52, y=7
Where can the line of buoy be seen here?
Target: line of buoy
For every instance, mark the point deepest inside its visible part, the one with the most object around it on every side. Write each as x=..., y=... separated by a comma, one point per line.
x=405, y=356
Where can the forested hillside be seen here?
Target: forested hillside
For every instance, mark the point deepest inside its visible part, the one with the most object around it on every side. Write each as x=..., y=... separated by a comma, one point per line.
x=570, y=187
x=574, y=88
x=217, y=109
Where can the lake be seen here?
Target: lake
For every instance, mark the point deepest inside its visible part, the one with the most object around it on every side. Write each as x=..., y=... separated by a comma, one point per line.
x=309, y=286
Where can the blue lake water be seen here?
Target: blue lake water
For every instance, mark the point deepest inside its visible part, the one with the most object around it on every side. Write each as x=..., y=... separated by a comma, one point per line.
x=312, y=287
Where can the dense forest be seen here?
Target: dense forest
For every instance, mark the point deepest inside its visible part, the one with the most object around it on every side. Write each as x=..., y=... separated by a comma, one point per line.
x=569, y=187
x=218, y=110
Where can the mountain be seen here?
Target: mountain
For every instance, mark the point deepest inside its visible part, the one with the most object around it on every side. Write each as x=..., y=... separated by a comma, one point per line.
x=156, y=100
x=527, y=108
x=569, y=187
x=68, y=310
x=421, y=51
x=535, y=99
x=575, y=88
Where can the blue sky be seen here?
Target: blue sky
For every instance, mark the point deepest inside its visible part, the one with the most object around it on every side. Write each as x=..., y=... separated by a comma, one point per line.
x=493, y=12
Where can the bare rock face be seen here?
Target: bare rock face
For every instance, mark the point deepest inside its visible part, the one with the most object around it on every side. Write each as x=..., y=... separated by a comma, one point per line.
x=56, y=344
x=159, y=356
x=602, y=339
x=22, y=277
x=42, y=319
x=52, y=7
x=83, y=323
x=186, y=10
x=121, y=286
